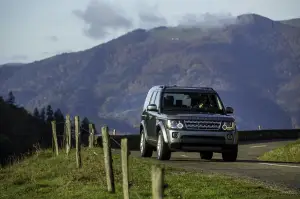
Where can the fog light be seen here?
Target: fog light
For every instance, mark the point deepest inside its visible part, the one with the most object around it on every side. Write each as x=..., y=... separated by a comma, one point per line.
x=175, y=135
x=229, y=136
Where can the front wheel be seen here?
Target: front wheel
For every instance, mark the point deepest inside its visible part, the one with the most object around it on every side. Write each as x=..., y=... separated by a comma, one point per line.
x=230, y=156
x=163, y=151
x=145, y=149
x=206, y=155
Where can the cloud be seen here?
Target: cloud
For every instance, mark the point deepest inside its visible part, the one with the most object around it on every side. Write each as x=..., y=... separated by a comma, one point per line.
x=53, y=38
x=207, y=20
x=149, y=16
x=101, y=18
x=151, y=19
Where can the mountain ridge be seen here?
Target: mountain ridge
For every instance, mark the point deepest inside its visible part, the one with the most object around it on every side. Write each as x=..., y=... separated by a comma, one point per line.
x=108, y=82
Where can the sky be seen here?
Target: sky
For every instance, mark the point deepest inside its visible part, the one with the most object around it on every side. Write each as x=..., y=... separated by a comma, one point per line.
x=36, y=29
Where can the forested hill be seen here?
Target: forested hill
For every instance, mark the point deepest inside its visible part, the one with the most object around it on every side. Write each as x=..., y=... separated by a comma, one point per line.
x=253, y=62
x=22, y=131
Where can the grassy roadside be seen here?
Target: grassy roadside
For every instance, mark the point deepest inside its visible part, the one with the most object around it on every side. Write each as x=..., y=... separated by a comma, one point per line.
x=287, y=153
x=45, y=176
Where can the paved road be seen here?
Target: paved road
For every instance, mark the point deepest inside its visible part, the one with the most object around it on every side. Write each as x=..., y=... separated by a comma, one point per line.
x=247, y=165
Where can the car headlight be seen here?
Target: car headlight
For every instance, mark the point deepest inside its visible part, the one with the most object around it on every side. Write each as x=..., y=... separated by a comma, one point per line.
x=228, y=126
x=175, y=124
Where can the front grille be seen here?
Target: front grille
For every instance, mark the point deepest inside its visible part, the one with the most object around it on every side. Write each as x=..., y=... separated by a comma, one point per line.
x=202, y=125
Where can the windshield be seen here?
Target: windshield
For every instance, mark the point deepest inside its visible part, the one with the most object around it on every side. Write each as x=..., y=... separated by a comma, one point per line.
x=192, y=101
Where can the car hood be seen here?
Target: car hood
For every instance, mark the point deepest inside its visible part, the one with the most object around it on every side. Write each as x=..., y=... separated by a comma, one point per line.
x=200, y=116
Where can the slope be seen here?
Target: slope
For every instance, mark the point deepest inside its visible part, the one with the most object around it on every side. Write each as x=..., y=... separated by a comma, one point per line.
x=45, y=176
x=253, y=62
x=292, y=22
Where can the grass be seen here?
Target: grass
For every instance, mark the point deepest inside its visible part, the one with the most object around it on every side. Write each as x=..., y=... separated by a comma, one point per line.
x=287, y=153
x=46, y=176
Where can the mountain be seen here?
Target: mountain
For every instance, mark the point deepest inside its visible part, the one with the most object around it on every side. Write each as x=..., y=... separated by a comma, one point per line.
x=292, y=22
x=12, y=64
x=7, y=70
x=254, y=62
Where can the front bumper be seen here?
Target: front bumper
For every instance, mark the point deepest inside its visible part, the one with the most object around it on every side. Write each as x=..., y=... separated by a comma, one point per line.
x=216, y=141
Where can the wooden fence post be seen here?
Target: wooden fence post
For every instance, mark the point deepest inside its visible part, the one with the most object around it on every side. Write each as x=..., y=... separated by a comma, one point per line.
x=78, y=142
x=63, y=142
x=53, y=145
x=68, y=134
x=124, y=157
x=108, y=160
x=54, y=136
x=157, y=182
x=92, y=136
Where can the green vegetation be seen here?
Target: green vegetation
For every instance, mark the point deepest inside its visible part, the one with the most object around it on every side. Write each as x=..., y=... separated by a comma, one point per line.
x=288, y=153
x=22, y=131
x=46, y=176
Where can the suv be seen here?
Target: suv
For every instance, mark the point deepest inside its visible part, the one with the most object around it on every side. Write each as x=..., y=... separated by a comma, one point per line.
x=189, y=119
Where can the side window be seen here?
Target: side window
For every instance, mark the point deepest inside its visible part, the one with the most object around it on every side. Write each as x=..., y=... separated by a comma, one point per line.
x=152, y=100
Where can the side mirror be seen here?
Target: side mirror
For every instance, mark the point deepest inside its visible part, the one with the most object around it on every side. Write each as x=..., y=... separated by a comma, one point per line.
x=229, y=110
x=151, y=107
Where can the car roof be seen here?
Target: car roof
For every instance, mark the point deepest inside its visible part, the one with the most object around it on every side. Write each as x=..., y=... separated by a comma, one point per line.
x=176, y=88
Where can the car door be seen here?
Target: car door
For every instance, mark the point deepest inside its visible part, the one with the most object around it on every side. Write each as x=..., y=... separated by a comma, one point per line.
x=151, y=119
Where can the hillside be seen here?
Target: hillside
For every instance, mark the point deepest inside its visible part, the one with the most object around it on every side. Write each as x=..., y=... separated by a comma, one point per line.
x=292, y=22
x=45, y=176
x=7, y=71
x=253, y=63
x=20, y=131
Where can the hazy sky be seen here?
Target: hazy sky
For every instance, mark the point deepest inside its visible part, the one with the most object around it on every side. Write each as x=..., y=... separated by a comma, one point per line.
x=36, y=29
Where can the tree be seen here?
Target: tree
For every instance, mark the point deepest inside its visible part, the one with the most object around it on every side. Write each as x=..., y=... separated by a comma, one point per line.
x=36, y=113
x=42, y=114
x=11, y=98
x=1, y=100
x=15, y=122
x=58, y=116
x=85, y=126
x=60, y=121
x=60, y=125
x=49, y=114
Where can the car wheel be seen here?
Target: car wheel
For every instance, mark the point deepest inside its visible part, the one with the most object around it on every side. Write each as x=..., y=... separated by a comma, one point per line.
x=163, y=151
x=230, y=156
x=145, y=149
x=206, y=155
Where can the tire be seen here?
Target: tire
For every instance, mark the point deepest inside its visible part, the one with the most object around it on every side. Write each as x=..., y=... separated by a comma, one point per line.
x=145, y=149
x=163, y=151
x=230, y=156
x=206, y=155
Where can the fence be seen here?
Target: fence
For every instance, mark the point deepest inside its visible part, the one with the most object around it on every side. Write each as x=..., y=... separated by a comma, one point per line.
x=157, y=173
x=131, y=142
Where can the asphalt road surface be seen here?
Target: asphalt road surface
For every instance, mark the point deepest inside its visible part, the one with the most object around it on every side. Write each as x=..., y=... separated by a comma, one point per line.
x=284, y=175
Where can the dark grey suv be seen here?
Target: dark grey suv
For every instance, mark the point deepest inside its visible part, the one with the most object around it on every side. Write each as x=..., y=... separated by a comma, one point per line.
x=190, y=119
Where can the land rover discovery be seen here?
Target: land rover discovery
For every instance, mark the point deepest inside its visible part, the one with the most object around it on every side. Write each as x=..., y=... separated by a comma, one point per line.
x=189, y=119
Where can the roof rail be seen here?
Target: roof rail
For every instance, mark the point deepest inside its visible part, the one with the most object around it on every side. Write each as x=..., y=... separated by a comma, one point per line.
x=165, y=86
x=193, y=87
x=207, y=88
